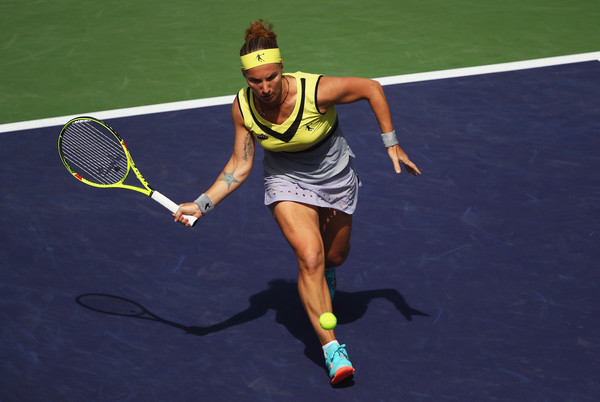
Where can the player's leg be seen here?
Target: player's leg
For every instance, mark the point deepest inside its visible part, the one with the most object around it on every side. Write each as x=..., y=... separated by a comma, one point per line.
x=336, y=227
x=299, y=224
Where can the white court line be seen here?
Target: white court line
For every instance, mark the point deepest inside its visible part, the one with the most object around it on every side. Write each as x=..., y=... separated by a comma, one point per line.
x=224, y=100
x=492, y=68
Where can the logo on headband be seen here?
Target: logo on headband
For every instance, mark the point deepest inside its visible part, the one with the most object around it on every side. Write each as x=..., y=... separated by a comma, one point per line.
x=260, y=57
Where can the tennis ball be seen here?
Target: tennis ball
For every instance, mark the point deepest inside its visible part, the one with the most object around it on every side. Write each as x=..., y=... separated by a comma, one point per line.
x=327, y=321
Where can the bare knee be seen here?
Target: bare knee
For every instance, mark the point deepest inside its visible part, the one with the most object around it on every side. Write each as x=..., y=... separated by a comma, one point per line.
x=310, y=261
x=335, y=258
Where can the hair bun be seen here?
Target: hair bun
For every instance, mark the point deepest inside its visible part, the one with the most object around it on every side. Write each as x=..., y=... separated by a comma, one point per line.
x=259, y=30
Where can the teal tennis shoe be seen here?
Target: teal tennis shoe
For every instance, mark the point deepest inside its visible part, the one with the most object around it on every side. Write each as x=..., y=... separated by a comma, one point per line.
x=338, y=364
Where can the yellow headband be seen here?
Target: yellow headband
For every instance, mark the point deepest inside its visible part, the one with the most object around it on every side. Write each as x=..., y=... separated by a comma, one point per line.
x=260, y=57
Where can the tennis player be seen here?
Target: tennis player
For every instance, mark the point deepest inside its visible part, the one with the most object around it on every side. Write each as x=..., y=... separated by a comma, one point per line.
x=311, y=186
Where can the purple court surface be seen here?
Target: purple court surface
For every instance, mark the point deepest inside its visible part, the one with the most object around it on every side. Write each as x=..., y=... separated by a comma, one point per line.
x=477, y=281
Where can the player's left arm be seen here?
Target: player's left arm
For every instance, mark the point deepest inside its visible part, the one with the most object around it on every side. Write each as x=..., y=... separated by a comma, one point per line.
x=343, y=90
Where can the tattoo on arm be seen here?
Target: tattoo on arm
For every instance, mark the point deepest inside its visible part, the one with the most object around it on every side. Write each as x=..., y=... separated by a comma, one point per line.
x=248, y=148
x=228, y=178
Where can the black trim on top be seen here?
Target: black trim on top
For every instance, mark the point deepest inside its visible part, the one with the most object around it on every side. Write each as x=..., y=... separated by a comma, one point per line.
x=291, y=131
x=240, y=104
x=316, y=92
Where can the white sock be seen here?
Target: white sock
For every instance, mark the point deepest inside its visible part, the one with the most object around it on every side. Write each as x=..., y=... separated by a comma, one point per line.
x=325, y=347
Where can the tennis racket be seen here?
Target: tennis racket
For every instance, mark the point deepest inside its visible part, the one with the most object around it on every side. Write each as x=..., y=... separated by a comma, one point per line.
x=95, y=155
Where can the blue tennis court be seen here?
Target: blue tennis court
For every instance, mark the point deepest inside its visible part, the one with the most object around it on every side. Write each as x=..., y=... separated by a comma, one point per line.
x=476, y=281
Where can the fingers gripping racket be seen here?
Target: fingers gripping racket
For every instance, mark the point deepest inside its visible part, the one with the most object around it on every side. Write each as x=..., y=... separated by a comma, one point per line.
x=95, y=155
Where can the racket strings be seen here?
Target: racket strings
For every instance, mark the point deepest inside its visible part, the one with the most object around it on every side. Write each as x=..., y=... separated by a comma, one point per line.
x=94, y=152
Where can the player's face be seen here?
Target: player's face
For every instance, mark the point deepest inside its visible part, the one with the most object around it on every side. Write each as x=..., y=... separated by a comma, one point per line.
x=265, y=82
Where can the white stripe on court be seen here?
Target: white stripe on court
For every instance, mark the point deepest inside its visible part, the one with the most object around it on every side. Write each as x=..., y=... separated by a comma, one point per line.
x=224, y=100
x=492, y=68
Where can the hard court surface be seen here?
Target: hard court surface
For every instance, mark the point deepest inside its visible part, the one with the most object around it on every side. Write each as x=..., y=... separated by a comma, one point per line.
x=475, y=281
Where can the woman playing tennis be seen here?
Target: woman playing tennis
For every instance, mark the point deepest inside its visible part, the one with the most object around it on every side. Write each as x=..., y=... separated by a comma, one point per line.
x=311, y=186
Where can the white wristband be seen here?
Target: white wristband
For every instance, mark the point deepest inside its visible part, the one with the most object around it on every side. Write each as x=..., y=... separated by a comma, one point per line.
x=204, y=203
x=389, y=139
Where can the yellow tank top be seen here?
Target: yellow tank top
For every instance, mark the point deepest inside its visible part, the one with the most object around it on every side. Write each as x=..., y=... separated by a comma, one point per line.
x=305, y=127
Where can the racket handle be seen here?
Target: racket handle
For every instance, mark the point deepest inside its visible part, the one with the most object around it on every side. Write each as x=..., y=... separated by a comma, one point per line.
x=170, y=205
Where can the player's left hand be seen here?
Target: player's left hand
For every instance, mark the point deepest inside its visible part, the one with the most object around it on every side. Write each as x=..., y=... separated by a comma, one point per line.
x=398, y=156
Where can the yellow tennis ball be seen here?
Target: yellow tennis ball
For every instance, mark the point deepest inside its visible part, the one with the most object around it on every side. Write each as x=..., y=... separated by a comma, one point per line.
x=327, y=321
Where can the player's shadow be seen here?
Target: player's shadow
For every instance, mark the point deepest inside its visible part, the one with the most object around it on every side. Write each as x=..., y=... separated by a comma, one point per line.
x=280, y=296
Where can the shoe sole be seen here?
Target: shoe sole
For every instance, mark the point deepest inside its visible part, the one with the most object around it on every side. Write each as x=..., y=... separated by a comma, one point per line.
x=341, y=374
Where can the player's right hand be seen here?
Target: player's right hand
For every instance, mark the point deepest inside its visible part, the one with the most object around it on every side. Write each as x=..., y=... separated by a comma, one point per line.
x=188, y=208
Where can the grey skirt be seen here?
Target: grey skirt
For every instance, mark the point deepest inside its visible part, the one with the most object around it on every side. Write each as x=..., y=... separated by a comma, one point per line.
x=339, y=192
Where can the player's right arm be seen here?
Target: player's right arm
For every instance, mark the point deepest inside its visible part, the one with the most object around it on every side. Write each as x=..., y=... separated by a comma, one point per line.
x=240, y=163
x=236, y=170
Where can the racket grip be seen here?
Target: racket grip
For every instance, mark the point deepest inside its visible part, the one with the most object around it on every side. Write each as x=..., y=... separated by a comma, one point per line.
x=170, y=205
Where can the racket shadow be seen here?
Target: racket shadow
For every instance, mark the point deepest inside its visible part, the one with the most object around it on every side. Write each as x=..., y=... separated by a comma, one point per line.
x=121, y=306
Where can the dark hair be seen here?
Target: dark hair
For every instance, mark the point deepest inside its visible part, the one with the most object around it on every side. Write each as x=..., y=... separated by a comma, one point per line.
x=259, y=37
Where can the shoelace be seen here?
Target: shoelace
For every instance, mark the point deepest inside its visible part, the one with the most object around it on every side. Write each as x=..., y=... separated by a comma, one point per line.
x=339, y=351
